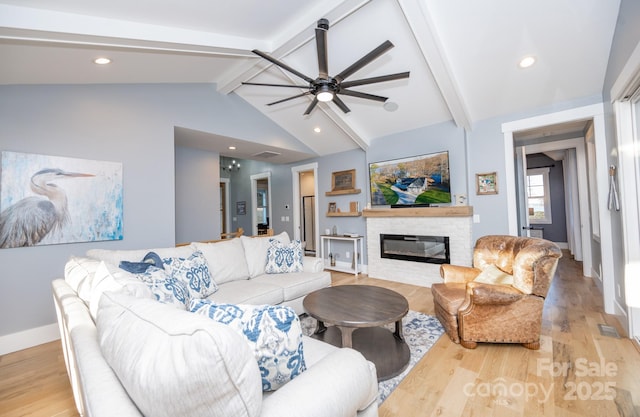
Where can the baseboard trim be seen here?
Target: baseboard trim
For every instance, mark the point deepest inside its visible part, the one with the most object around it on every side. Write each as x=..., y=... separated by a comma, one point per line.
x=28, y=338
x=562, y=245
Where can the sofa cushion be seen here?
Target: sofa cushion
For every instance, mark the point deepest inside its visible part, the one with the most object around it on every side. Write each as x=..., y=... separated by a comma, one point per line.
x=193, y=271
x=226, y=259
x=116, y=256
x=79, y=273
x=491, y=274
x=296, y=284
x=165, y=288
x=255, y=251
x=109, y=277
x=174, y=363
x=273, y=333
x=284, y=258
x=248, y=292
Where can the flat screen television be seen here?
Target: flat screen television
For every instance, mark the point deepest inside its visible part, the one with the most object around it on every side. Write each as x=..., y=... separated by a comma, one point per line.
x=416, y=181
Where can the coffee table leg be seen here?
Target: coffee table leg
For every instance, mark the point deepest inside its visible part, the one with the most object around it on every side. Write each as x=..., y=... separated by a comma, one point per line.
x=398, y=333
x=346, y=332
x=320, y=327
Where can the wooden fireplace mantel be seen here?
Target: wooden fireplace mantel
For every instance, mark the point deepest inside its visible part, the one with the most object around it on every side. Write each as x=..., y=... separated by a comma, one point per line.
x=452, y=211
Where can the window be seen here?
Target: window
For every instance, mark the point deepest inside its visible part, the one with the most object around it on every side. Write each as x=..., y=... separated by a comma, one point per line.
x=538, y=198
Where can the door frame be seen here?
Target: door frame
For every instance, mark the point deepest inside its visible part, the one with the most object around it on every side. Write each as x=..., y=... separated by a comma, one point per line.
x=596, y=113
x=297, y=198
x=227, y=205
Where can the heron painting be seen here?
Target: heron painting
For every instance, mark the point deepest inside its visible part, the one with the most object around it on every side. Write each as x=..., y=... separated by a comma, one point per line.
x=49, y=200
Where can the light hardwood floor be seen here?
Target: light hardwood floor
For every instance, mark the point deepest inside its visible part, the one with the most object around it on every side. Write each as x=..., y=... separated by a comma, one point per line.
x=595, y=375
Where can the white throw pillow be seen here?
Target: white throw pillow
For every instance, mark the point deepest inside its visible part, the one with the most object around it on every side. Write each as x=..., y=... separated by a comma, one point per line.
x=284, y=258
x=273, y=332
x=174, y=363
x=79, y=274
x=491, y=274
x=255, y=251
x=226, y=260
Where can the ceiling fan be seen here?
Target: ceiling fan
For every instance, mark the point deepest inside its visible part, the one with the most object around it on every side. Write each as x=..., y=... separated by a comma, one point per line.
x=326, y=88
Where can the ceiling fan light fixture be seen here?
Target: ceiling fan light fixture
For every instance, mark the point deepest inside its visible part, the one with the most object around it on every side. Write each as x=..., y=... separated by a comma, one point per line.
x=324, y=94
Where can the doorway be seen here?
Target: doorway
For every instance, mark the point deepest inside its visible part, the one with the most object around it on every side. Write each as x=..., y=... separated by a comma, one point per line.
x=596, y=114
x=305, y=206
x=260, y=203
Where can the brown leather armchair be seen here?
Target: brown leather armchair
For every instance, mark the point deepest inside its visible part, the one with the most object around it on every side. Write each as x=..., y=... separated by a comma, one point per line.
x=473, y=312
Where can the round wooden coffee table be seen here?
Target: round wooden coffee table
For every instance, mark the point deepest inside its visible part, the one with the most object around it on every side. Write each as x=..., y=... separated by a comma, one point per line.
x=355, y=314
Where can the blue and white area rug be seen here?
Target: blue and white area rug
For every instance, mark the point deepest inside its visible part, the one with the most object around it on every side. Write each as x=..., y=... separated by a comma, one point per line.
x=420, y=331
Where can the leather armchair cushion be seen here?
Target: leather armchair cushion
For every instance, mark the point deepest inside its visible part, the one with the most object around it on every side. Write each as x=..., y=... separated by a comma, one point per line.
x=449, y=296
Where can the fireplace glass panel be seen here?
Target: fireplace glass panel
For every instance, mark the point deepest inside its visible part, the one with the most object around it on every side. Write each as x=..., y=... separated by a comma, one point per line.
x=428, y=249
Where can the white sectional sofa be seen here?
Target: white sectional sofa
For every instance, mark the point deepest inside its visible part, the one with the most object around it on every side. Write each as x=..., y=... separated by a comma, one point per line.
x=127, y=352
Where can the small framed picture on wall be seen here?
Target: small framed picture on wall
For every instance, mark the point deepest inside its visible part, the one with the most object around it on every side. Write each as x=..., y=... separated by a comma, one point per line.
x=487, y=183
x=241, y=208
x=332, y=207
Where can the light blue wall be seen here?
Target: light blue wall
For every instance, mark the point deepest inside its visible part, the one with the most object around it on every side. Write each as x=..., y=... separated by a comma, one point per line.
x=197, y=194
x=132, y=124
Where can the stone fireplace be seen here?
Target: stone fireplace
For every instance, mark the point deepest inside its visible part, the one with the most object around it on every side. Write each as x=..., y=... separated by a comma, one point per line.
x=454, y=223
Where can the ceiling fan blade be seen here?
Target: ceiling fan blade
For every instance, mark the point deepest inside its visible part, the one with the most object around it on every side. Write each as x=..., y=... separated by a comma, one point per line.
x=321, y=48
x=306, y=93
x=362, y=95
x=282, y=65
x=311, y=106
x=341, y=104
x=373, y=80
x=277, y=85
x=384, y=47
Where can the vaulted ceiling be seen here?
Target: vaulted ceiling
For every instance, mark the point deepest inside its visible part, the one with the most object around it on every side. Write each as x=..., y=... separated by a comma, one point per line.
x=463, y=55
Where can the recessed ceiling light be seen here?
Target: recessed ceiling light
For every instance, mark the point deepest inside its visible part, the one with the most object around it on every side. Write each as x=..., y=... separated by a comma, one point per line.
x=102, y=61
x=317, y=129
x=527, y=61
x=390, y=106
x=233, y=148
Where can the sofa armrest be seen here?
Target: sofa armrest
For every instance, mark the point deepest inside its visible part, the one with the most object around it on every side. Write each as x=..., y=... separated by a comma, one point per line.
x=456, y=273
x=344, y=376
x=312, y=264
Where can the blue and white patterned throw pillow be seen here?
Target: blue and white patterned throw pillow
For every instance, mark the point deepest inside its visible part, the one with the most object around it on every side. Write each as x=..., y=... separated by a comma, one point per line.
x=273, y=332
x=166, y=289
x=193, y=272
x=282, y=258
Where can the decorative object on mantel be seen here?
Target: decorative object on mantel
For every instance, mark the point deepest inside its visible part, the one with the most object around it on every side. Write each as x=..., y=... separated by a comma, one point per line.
x=460, y=199
x=487, y=183
x=47, y=200
x=332, y=207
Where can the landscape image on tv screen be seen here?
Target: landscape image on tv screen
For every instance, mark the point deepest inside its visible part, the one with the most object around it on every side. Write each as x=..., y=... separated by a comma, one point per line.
x=415, y=181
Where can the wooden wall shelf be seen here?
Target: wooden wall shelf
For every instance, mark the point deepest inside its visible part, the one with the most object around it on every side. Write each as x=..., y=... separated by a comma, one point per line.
x=453, y=211
x=344, y=192
x=345, y=214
